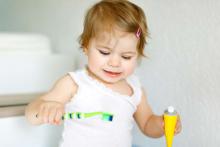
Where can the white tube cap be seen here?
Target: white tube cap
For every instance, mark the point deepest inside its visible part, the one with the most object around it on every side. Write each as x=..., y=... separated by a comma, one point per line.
x=170, y=109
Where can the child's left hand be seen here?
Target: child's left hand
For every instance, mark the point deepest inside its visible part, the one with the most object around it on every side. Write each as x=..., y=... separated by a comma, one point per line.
x=178, y=127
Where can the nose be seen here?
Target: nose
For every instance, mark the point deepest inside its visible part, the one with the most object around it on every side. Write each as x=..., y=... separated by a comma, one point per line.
x=114, y=61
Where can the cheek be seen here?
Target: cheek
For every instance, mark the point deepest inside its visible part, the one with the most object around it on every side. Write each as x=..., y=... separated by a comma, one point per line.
x=95, y=59
x=130, y=67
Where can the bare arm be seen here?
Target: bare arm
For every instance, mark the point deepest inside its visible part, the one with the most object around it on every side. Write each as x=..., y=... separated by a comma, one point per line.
x=50, y=106
x=149, y=123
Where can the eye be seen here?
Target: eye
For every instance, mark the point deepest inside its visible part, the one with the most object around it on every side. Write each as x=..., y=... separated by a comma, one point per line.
x=104, y=52
x=126, y=57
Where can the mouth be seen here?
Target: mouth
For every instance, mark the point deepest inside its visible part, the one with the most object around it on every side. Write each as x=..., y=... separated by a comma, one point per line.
x=112, y=74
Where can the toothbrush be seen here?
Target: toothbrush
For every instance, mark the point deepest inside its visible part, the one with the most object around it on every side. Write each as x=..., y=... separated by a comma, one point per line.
x=80, y=115
x=170, y=119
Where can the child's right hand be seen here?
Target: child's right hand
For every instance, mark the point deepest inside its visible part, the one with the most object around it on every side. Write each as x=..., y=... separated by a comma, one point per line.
x=51, y=112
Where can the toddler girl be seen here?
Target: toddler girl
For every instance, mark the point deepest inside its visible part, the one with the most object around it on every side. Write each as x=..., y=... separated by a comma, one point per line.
x=100, y=102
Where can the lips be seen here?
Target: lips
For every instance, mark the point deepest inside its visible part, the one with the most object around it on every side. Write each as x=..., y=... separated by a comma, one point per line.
x=112, y=74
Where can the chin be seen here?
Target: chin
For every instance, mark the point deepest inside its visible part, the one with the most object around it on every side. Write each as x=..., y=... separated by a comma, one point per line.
x=111, y=80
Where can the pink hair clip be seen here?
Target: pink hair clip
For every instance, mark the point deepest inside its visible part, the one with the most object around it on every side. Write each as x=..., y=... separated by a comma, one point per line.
x=138, y=33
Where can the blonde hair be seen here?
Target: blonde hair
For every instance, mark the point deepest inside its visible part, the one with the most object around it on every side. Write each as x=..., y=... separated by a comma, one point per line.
x=108, y=14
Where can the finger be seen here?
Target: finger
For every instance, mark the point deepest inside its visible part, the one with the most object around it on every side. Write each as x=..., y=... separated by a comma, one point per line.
x=41, y=114
x=178, y=127
x=60, y=113
x=58, y=116
x=163, y=124
x=177, y=131
x=178, y=118
x=52, y=114
x=45, y=114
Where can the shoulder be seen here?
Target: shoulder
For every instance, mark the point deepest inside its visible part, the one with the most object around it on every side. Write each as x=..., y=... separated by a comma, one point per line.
x=62, y=91
x=71, y=78
x=66, y=83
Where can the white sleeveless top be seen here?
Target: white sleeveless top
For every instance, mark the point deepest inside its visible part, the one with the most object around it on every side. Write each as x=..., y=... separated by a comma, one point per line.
x=93, y=96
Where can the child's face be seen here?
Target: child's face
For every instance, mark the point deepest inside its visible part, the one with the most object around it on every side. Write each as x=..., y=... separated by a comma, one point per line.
x=112, y=57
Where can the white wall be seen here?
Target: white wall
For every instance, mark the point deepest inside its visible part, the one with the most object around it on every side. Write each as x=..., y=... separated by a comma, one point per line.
x=184, y=65
x=61, y=21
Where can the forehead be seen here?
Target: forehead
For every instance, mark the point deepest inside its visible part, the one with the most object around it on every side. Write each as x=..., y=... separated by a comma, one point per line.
x=117, y=39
